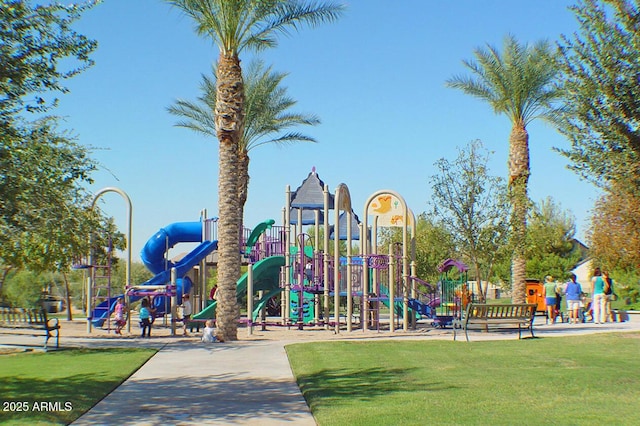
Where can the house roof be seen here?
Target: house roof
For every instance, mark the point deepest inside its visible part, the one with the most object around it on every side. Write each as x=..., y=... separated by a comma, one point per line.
x=584, y=250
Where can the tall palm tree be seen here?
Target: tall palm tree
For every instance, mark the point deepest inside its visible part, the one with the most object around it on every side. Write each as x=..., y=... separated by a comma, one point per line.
x=236, y=25
x=266, y=117
x=521, y=83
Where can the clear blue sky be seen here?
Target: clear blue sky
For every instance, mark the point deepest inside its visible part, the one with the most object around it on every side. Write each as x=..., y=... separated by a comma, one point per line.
x=376, y=78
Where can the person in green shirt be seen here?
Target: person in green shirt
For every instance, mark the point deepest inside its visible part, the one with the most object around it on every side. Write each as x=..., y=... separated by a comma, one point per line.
x=550, y=298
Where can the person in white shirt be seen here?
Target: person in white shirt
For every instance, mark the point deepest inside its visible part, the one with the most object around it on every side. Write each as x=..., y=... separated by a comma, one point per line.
x=208, y=335
x=186, y=312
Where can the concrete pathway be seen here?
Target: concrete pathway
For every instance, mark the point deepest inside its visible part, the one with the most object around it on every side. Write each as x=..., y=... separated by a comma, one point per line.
x=243, y=382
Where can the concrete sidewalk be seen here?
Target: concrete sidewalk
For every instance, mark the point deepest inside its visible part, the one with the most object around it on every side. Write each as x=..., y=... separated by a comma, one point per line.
x=187, y=382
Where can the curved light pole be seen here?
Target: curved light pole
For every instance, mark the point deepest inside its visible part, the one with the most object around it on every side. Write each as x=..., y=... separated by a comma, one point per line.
x=128, y=265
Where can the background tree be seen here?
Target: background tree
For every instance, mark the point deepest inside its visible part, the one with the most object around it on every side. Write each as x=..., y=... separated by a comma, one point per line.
x=139, y=274
x=551, y=247
x=267, y=117
x=614, y=236
x=600, y=63
x=24, y=288
x=342, y=245
x=520, y=83
x=39, y=50
x=236, y=25
x=37, y=163
x=44, y=211
x=602, y=119
x=434, y=244
x=471, y=205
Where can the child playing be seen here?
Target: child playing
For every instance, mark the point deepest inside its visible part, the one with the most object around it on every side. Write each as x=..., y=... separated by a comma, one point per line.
x=308, y=271
x=207, y=335
x=145, y=318
x=119, y=316
x=186, y=313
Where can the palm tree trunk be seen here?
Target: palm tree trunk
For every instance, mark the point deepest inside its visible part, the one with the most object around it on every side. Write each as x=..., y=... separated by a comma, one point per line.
x=229, y=123
x=243, y=185
x=518, y=182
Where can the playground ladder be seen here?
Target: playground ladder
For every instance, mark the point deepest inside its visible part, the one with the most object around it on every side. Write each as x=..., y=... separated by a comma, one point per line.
x=101, y=290
x=372, y=312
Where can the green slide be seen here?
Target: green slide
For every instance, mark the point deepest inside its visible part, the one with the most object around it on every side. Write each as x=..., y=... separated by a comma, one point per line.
x=266, y=277
x=257, y=231
x=263, y=302
x=398, y=304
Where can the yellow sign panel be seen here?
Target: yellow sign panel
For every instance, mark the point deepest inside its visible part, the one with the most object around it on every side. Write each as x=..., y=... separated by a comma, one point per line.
x=388, y=209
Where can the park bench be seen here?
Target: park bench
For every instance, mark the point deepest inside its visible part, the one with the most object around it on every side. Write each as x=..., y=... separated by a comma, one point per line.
x=25, y=321
x=492, y=317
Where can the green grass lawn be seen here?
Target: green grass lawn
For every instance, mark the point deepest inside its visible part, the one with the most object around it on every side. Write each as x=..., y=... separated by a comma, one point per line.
x=58, y=387
x=581, y=380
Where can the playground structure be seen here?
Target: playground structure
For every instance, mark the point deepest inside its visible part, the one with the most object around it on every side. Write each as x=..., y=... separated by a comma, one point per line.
x=454, y=291
x=170, y=281
x=305, y=279
x=321, y=283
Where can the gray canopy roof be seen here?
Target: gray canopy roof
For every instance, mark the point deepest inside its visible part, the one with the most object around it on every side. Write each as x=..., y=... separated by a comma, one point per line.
x=310, y=195
x=342, y=227
x=308, y=217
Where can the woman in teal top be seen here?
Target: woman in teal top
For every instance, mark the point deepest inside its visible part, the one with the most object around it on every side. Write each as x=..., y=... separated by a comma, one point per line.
x=598, y=297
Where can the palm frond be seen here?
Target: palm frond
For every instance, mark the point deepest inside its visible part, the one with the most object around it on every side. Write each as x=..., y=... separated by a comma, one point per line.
x=519, y=82
x=238, y=24
x=285, y=15
x=197, y=117
x=267, y=109
x=286, y=139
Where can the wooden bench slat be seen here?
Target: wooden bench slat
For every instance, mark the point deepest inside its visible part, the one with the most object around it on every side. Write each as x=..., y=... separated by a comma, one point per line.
x=487, y=315
x=30, y=319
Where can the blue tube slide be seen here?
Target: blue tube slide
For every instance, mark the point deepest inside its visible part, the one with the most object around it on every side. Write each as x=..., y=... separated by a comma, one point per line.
x=185, y=264
x=153, y=257
x=152, y=254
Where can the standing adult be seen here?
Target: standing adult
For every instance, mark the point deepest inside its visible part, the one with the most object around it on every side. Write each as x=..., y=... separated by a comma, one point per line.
x=572, y=292
x=598, y=297
x=608, y=292
x=550, y=298
x=212, y=293
x=559, y=294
